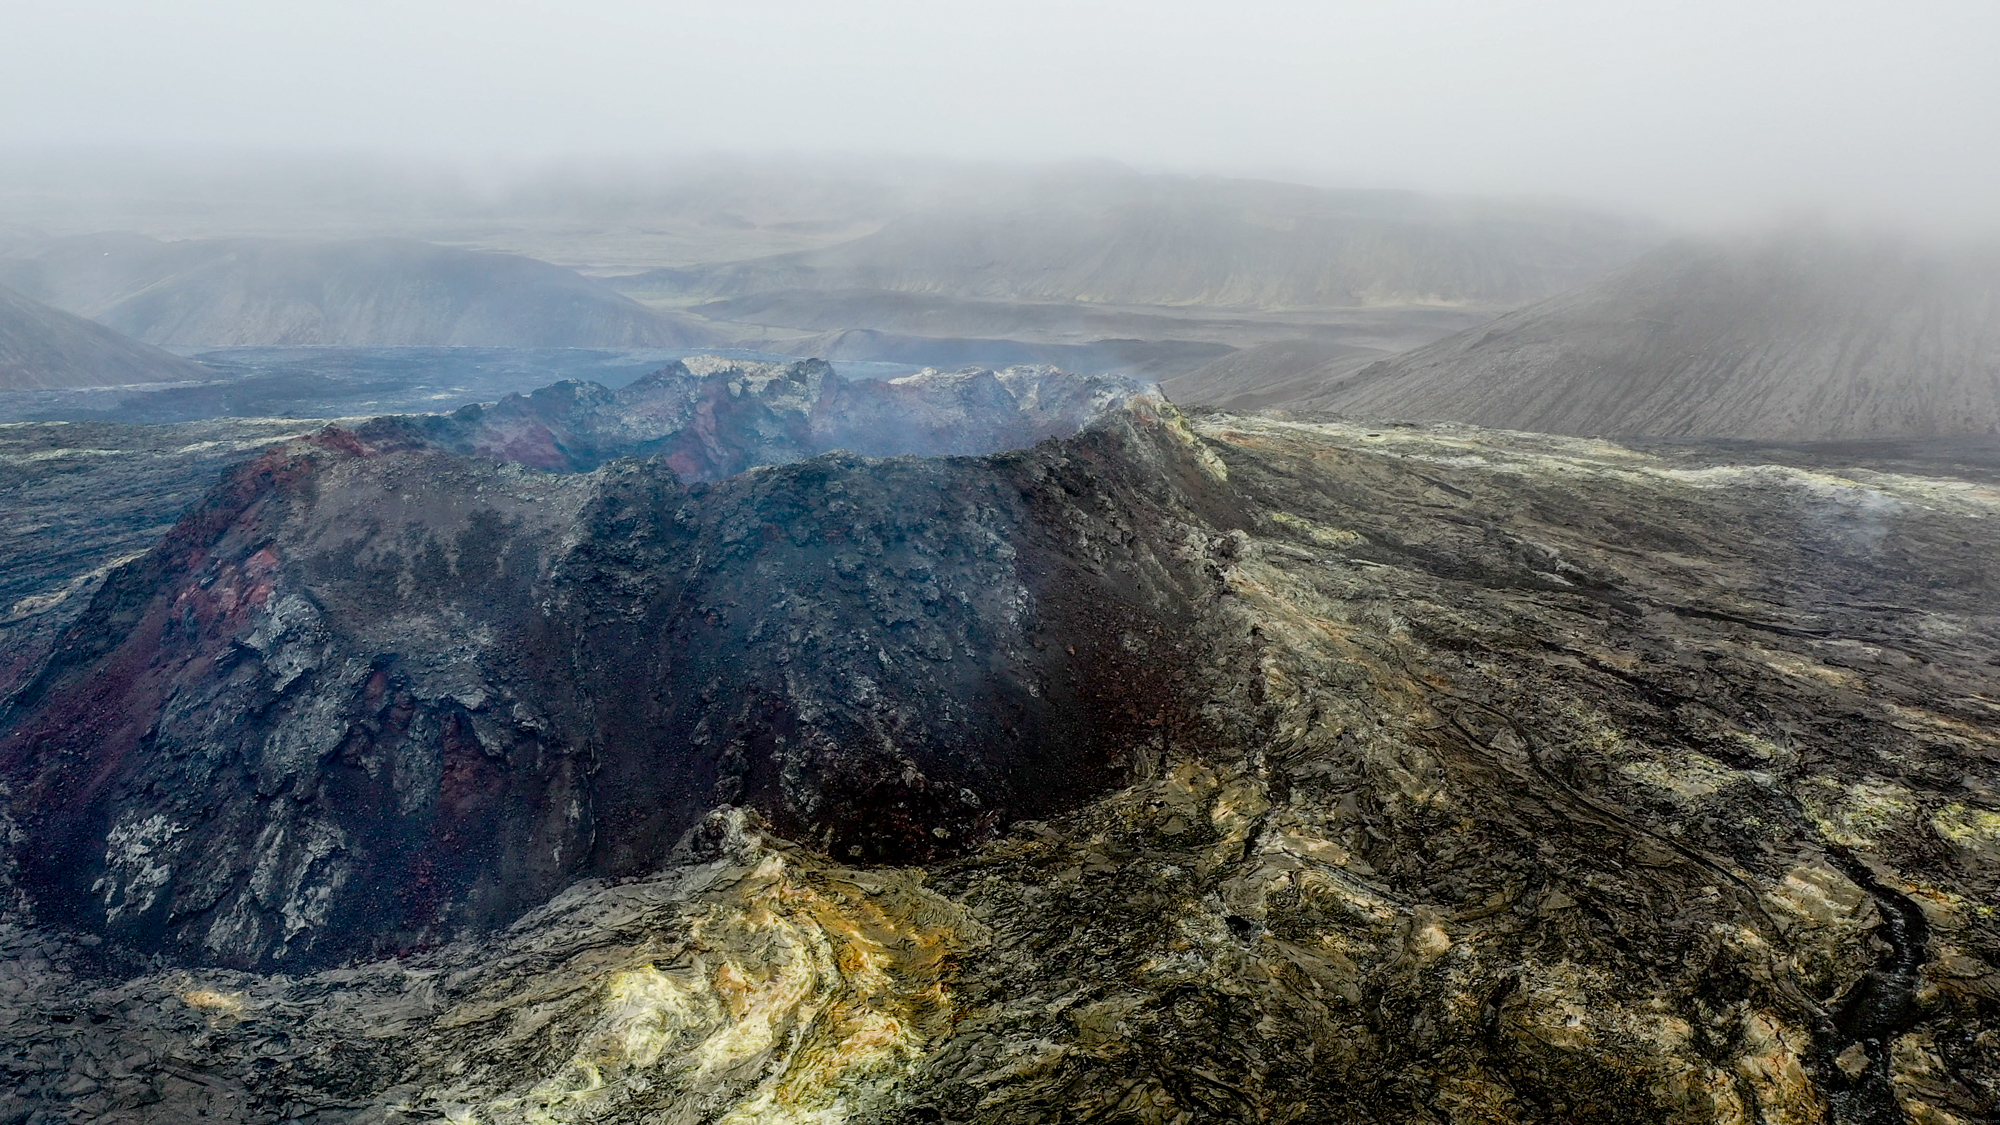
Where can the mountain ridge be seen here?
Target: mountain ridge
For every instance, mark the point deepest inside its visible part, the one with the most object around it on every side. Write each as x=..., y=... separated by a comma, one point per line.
x=374, y=292
x=1184, y=241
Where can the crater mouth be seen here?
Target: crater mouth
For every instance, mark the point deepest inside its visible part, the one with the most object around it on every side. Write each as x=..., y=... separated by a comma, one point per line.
x=711, y=417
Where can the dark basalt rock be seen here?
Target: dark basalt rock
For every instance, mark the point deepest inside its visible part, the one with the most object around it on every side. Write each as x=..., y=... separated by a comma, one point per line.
x=377, y=691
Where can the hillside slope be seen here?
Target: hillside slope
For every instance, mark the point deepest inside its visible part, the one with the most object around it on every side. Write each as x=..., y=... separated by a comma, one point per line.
x=378, y=292
x=1276, y=372
x=1798, y=337
x=45, y=348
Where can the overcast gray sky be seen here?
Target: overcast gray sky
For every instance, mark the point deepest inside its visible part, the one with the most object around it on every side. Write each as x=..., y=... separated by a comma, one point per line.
x=1696, y=109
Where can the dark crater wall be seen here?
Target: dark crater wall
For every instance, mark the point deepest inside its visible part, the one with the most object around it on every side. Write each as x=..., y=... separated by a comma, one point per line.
x=375, y=692
x=710, y=417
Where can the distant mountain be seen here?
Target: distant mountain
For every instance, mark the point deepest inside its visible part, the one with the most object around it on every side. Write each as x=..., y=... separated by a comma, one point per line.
x=378, y=292
x=1126, y=239
x=45, y=348
x=1792, y=337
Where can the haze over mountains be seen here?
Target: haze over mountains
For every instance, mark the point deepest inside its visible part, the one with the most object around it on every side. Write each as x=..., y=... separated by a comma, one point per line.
x=357, y=293
x=1125, y=239
x=597, y=218
x=1092, y=267
x=1236, y=293
x=43, y=347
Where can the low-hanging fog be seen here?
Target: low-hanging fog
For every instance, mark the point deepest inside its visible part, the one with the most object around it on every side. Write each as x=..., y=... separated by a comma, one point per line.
x=1692, y=112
